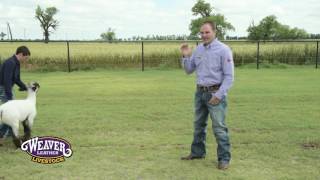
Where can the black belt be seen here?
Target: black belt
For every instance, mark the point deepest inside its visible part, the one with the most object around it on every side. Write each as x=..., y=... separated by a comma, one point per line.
x=212, y=88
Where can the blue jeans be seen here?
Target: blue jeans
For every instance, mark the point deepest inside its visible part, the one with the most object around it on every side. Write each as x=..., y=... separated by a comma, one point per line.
x=217, y=114
x=5, y=130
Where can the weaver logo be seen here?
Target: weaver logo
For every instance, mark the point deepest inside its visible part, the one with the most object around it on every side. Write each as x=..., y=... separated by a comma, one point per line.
x=47, y=149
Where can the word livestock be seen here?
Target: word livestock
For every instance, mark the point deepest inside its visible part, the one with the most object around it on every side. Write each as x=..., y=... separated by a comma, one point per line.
x=47, y=150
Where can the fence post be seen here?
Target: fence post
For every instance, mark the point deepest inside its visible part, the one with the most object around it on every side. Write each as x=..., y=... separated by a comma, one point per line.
x=258, y=53
x=69, y=63
x=317, y=55
x=142, y=56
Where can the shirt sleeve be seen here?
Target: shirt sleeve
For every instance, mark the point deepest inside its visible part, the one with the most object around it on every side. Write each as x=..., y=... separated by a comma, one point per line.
x=18, y=81
x=228, y=73
x=188, y=63
x=8, y=75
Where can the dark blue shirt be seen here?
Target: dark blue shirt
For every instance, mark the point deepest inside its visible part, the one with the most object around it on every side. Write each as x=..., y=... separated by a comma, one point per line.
x=10, y=75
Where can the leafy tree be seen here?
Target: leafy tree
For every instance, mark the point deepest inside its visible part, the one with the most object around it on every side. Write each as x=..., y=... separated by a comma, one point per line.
x=270, y=28
x=205, y=10
x=297, y=33
x=47, y=21
x=110, y=35
x=202, y=8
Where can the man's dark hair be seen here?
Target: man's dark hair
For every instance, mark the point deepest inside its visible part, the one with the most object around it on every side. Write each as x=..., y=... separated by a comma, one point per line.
x=24, y=50
x=211, y=23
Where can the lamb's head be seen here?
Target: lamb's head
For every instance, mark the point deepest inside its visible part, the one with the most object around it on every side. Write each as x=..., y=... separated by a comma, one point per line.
x=34, y=86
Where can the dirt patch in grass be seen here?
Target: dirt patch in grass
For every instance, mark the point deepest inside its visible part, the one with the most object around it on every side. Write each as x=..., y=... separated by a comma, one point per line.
x=238, y=130
x=311, y=145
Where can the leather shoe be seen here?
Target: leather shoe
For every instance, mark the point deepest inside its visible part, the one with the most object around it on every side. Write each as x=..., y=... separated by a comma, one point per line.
x=190, y=157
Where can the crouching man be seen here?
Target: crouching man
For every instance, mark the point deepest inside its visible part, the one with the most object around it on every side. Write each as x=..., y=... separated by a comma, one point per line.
x=10, y=75
x=213, y=63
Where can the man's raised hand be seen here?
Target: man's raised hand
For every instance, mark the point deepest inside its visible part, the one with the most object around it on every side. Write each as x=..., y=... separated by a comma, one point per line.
x=186, y=51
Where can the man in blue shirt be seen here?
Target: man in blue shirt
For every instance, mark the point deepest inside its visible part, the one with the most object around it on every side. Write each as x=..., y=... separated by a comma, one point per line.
x=10, y=75
x=213, y=63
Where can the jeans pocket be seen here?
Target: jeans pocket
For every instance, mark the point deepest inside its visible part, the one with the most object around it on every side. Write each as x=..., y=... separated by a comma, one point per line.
x=210, y=95
x=221, y=102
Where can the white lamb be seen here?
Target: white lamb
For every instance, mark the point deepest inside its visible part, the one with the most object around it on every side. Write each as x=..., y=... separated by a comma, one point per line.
x=15, y=111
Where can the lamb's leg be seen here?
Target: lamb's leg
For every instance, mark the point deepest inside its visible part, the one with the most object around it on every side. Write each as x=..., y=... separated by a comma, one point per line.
x=27, y=131
x=15, y=136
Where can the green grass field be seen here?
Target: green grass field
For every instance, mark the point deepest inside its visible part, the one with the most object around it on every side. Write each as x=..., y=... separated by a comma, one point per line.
x=136, y=125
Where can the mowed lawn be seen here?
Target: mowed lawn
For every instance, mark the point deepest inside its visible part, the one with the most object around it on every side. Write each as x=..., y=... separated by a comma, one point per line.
x=127, y=124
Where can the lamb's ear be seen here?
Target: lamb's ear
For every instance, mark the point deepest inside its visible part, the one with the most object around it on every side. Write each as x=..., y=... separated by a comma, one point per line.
x=37, y=85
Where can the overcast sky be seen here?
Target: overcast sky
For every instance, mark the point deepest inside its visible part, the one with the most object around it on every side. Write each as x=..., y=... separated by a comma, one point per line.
x=85, y=19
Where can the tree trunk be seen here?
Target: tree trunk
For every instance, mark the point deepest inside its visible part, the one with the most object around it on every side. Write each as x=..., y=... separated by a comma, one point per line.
x=46, y=36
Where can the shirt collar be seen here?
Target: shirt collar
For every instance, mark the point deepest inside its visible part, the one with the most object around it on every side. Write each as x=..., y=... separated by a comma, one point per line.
x=212, y=44
x=16, y=59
